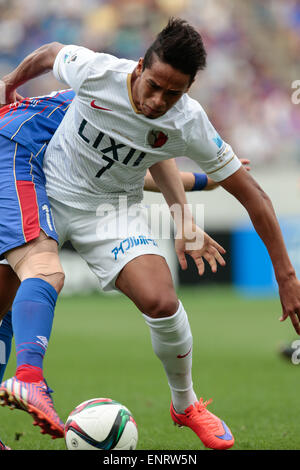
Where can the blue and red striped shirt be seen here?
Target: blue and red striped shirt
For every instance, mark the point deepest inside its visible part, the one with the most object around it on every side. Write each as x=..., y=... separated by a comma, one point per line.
x=33, y=121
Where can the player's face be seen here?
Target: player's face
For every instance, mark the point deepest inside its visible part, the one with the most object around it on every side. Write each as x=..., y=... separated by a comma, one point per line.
x=158, y=88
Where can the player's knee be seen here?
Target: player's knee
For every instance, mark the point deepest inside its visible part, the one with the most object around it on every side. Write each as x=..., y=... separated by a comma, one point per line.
x=43, y=265
x=159, y=305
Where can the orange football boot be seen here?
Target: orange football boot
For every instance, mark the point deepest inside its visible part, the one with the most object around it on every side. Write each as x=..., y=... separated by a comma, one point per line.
x=35, y=398
x=210, y=429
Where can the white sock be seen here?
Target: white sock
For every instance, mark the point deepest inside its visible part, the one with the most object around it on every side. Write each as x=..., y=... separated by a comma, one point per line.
x=172, y=343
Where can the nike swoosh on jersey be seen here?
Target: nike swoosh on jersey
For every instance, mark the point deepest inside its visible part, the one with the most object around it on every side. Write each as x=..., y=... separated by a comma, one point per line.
x=93, y=104
x=184, y=355
x=227, y=434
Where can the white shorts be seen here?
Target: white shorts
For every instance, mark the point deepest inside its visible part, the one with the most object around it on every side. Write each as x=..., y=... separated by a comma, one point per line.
x=107, y=240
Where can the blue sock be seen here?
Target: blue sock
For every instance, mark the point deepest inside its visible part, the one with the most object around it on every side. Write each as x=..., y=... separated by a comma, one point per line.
x=6, y=334
x=32, y=317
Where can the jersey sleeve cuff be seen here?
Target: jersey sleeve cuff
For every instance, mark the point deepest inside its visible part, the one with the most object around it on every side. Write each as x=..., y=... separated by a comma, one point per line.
x=56, y=71
x=225, y=170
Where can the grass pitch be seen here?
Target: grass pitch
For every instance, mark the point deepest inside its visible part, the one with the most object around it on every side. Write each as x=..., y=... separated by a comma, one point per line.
x=100, y=347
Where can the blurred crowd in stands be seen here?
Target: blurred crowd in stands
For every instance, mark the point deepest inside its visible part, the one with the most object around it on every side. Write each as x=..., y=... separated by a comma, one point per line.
x=253, y=57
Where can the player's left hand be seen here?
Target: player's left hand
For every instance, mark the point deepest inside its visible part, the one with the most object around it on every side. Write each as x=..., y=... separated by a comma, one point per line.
x=289, y=292
x=246, y=163
x=199, y=245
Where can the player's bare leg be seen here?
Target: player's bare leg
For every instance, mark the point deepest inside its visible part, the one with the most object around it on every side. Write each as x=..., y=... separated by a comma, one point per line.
x=38, y=259
x=147, y=281
x=39, y=270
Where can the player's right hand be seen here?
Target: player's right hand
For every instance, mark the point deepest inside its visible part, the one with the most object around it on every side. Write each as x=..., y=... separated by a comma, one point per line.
x=199, y=246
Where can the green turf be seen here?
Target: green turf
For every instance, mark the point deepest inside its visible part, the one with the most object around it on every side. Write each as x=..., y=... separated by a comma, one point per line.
x=100, y=347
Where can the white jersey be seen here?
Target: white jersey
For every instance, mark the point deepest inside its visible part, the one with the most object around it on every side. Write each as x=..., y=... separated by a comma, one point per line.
x=104, y=146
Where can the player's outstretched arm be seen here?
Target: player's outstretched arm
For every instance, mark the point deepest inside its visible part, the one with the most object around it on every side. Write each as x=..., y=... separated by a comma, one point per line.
x=260, y=209
x=191, y=181
x=35, y=64
x=190, y=239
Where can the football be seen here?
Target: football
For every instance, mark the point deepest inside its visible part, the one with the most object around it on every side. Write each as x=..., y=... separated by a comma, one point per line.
x=101, y=424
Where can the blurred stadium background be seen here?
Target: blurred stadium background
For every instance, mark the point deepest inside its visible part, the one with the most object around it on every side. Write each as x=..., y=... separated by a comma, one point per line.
x=253, y=59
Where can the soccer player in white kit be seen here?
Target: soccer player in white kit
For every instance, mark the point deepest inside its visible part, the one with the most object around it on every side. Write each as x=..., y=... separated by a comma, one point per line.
x=127, y=117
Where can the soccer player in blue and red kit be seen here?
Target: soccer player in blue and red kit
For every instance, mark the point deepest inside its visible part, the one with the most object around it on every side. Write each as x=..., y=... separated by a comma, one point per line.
x=28, y=241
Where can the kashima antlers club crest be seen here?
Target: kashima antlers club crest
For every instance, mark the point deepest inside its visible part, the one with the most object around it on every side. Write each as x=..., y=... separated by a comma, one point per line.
x=156, y=138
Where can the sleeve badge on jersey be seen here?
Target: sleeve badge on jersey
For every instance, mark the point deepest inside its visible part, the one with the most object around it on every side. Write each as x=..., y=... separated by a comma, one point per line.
x=68, y=58
x=156, y=138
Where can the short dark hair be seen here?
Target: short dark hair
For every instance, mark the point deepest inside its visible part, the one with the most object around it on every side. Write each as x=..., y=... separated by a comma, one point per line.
x=179, y=45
